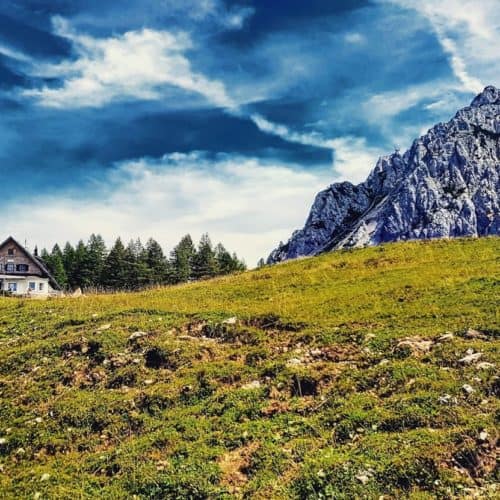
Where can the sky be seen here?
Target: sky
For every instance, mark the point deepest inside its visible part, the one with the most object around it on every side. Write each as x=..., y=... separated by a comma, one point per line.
x=166, y=117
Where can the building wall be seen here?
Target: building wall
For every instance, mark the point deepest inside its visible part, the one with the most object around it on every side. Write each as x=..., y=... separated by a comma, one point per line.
x=19, y=257
x=23, y=285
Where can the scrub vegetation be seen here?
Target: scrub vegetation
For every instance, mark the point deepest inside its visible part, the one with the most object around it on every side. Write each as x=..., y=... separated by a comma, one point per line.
x=356, y=374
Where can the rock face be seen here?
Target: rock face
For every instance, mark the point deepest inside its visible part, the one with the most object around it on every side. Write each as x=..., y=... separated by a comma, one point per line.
x=446, y=185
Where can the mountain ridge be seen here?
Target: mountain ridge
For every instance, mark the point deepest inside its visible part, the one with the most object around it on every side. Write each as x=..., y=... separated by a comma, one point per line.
x=445, y=185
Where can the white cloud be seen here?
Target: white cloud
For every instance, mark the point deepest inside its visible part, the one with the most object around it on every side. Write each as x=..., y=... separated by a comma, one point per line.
x=469, y=33
x=13, y=53
x=353, y=159
x=440, y=97
x=307, y=139
x=136, y=64
x=247, y=204
x=236, y=17
x=458, y=65
x=354, y=38
x=380, y=106
x=139, y=64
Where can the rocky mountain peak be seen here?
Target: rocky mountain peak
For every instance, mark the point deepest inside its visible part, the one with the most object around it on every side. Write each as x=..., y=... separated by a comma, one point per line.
x=446, y=185
x=490, y=95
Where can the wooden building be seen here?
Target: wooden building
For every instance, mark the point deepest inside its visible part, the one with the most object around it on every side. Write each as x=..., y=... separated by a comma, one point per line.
x=24, y=274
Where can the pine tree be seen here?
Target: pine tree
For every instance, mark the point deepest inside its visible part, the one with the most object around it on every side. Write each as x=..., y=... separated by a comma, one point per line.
x=57, y=266
x=136, y=266
x=69, y=263
x=224, y=260
x=45, y=256
x=261, y=263
x=205, y=263
x=82, y=269
x=115, y=272
x=238, y=265
x=96, y=256
x=137, y=271
x=156, y=263
x=181, y=259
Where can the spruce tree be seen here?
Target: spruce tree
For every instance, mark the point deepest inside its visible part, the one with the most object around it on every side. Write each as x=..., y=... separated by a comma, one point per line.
x=69, y=263
x=115, y=271
x=45, y=256
x=238, y=265
x=205, y=263
x=225, y=262
x=144, y=273
x=96, y=256
x=137, y=271
x=156, y=263
x=181, y=260
x=82, y=269
x=57, y=266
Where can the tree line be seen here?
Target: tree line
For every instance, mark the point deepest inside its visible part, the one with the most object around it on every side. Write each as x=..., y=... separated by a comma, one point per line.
x=134, y=266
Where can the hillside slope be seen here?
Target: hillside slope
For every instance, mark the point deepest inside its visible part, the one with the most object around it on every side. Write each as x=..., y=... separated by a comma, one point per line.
x=355, y=374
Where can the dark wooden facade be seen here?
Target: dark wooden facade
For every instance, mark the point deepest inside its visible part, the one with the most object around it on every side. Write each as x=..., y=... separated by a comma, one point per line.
x=16, y=261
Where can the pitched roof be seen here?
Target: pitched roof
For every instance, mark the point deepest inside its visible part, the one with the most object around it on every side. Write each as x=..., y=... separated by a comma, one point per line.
x=39, y=262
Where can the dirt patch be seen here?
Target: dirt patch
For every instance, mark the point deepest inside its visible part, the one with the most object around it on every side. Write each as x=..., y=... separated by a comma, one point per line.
x=157, y=358
x=273, y=322
x=80, y=347
x=234, y=466
x=275, y=407
x=478, y=459
x=304, y=386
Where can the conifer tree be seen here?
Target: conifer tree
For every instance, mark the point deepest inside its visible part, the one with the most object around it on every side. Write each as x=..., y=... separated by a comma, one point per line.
x=238, y=265
x=225, y=263
x=69, y=262
x=54, y=263
x=96, y=256
x=46, y=259
x=56, y=266
x=115, y=271
x=82, y=271
x=205, y=263
x=136, y=265
x=45, y=256
x=156, y=262
x=137, y=271
x=181, y=260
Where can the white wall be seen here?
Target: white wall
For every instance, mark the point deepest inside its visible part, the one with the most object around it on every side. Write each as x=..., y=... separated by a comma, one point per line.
x=23, y=285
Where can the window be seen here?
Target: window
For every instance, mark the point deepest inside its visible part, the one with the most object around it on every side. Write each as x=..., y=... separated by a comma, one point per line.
x=32, y=285
x=40, y=287
x=12, y=287
x=22, y=268
x=10, y=251
x=10, y=268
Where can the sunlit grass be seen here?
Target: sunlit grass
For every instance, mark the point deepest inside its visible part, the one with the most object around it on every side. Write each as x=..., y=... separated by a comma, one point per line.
x=308, y=394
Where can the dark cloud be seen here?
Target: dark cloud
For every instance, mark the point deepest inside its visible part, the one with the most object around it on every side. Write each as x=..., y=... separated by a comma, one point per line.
x=285, y=15
x=308, y=66
x=33, y=41
x=65, y=147
x=9, y=77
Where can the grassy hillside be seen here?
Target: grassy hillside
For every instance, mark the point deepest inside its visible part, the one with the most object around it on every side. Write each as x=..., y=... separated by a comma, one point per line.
x=321, y=378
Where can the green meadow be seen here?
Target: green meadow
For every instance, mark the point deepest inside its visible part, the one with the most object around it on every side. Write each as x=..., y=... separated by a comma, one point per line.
x=369, y=373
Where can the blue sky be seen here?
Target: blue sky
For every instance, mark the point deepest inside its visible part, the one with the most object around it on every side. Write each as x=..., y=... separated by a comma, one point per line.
x=162, y=117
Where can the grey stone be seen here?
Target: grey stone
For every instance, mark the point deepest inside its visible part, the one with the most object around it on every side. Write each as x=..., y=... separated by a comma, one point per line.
x=470, y=358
